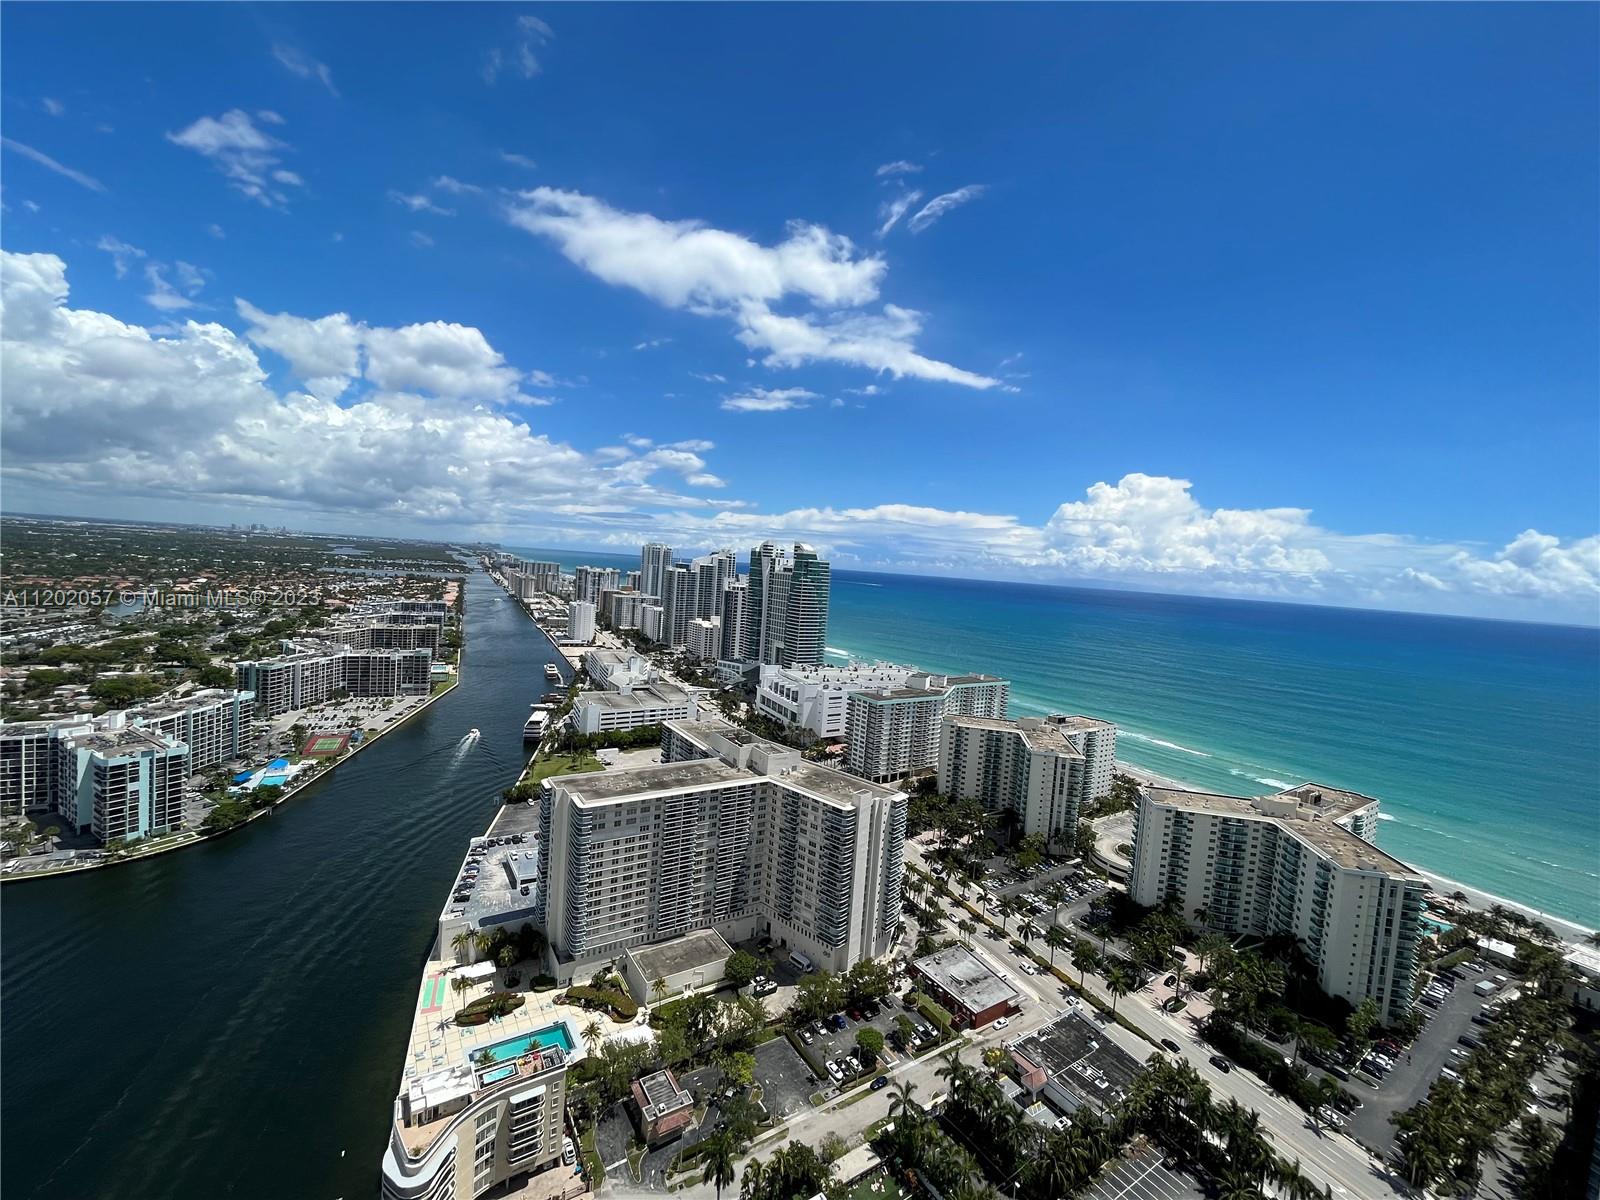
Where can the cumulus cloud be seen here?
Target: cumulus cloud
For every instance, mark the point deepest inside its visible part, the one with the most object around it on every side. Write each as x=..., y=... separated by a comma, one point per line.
x=248, y=157
x=101, y=406
x=765, y=400
x=409, y=427
x=299, y=63
x=939, y=205
x=50, y=164
x=162, y=294
x=890, y=211
x=713, y=272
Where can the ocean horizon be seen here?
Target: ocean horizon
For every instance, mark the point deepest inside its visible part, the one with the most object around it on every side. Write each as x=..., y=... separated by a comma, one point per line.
x=1481, y=737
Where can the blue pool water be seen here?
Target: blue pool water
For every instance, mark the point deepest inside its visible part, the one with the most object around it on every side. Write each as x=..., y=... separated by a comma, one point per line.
x=274, y=780
x=499, y=1073
x=550, y=1035
x=277, y=764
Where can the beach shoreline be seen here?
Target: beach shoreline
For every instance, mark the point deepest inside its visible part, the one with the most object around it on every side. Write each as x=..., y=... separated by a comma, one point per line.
x=1568, y=930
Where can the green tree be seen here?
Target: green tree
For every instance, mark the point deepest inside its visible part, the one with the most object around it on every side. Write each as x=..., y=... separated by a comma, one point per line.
x=871, y=1042
x=719, y=1162
x=1361, y=1022
x=658, y=989
x=741, y=968
x=1119, y=983
x=1085, y=958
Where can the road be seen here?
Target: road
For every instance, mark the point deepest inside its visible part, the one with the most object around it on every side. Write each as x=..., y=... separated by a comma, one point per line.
x=1331, y=1159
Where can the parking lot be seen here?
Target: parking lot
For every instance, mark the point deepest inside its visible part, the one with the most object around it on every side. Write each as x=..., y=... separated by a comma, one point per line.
x=786, y=1082
x=1418, y=1065
x=1145, y=1176
x=833, y=1039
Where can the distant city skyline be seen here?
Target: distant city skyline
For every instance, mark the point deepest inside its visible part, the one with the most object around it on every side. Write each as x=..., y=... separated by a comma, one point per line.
x=1286, y=302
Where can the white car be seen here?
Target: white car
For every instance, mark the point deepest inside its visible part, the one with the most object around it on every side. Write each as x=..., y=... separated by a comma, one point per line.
x=1002, y=1022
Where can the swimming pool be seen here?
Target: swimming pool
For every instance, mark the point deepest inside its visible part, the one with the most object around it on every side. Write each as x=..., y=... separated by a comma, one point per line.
x=550, y=1035
x=499, y=1073
x=274, y=780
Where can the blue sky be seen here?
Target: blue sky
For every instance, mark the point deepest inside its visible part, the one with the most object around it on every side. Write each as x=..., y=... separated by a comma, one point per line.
x=1283, y=301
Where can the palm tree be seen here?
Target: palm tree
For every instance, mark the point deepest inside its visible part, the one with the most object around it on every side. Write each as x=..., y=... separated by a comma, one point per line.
x=462, y=943
x=592, y=1035
x=507, y=957
x=1085, y=958
x=901, y=1106
x=1201, y=915
x=719, y=1171
x=968, y=928
x=1119, y=984
x=460, y=985
x=658, y=989
x=1055, y=938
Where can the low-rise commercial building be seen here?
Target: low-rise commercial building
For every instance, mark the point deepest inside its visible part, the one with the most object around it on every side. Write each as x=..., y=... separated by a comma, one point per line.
x=693, y=961
x=617, y=670
x=661, y=1108
x=631, y=707
x=1287, y=865
x=1070, y=1063
x=973, y=992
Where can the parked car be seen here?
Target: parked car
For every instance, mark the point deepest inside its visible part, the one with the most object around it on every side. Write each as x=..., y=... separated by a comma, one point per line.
x=1002, y=1022
x=805, y=1036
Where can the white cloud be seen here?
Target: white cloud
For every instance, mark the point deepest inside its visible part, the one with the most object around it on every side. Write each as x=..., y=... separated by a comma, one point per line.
x=31, y=205
x=712, y=272
x=52, y=106
x=419, y=203
x=653, y=343
x=270, y=117
x=890, y=211
x=122, y=254
x=50, y=164
x=162, y=294
x=518, y=160
x=708, y=377
x=190, y=277
x=939, y=205
x=297, y=62
x=836, y=403
x=705, y=479
x=101, y=407
x=768, y=400
x=420, y=240
x=446, y=183
x=216, y=231
x=324, y=353
x=899, y=167
x=871, y=389
x=247, y=156
x=518, y=57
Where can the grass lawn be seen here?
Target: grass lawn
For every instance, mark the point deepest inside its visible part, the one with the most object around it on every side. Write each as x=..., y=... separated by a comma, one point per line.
x=888, y=1189
x=562, y=764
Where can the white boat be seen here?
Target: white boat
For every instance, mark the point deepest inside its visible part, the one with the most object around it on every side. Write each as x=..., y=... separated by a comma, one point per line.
x=533, y=727
x=552, y=672
x=473, y=732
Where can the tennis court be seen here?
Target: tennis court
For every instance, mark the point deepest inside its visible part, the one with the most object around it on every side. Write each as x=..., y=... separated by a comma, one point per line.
x=325, y=745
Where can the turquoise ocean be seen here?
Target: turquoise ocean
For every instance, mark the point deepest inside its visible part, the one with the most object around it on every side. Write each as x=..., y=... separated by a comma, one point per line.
x=1482, y=738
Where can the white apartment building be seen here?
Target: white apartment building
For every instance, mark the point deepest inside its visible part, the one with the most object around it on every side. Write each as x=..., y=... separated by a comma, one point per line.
x=655, y=560
x=580, y=621
x=1042, y=770
x=652, y=621
x=27, y=766
x=589, y=582
x=817, y=698
x=1287, y=864
x=312, y=671
x=894, y=731
x=623, y=608
x=617, y=670
x=704, y=641
x=730, y=832
x=212, y=723
x=736, y=629
x=631, y=707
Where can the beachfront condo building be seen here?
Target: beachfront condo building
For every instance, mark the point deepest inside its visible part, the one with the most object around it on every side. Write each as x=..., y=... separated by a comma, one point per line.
x=892, y=732
x=704, y=643
x=730, y=832
x=1287, y=864
x=680, y=597
x=816, y=699
x=622, y=608
x=736, y=632
x=713, y=573
x=1040, y=770
x=119, y=782
x=589, y=582
x=655, y=560
x=788, y=605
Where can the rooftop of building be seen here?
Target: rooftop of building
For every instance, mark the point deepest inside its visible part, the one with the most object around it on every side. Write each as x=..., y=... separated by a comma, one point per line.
x=1074, y=1053
x=666, y=959
x=175, y=705
x=492, y=876
x=659, y=1094
x=645, y=695
x=1585, y=959
x=879, y=695
x=1041, y=737
x=965, y=976
x=130, y=739
x=926, y=680
x=1332, y=802
x=635, y=782
x=1313, y=825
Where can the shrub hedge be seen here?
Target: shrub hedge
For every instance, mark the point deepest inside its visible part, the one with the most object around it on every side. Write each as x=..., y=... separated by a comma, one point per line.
x=619, y=1004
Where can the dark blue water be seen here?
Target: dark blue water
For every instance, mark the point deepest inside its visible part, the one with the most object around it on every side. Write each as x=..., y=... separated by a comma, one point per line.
x=1481, y=737
x=227, y=1019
